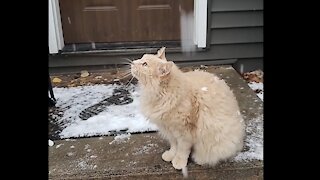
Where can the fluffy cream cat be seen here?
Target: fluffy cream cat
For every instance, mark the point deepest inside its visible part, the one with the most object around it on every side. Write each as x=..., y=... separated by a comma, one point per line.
x=195, y=111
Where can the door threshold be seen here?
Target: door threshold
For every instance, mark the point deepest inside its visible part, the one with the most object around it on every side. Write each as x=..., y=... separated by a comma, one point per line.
x=128, y=48
x=113, y=52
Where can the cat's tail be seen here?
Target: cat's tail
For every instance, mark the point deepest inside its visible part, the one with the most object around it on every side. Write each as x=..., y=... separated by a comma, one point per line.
x=185, y=172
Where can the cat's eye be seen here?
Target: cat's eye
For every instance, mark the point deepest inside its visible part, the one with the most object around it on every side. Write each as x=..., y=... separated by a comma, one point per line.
x=144, y=64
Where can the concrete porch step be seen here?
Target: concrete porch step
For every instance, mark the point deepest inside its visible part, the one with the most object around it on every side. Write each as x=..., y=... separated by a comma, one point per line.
x=139, y=156
x=136, y=158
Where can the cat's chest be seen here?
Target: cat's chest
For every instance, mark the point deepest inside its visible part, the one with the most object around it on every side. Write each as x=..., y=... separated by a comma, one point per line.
x=154, y=110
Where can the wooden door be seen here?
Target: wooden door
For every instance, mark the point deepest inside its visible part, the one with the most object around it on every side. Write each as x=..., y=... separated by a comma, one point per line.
x=107, y=21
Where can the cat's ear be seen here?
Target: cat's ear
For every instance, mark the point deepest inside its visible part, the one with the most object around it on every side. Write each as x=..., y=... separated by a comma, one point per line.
x=165, y=68
x=162, y=53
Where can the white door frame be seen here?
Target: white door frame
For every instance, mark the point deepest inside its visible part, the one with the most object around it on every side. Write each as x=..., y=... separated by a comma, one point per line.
x=200, y=23
x=56, y=41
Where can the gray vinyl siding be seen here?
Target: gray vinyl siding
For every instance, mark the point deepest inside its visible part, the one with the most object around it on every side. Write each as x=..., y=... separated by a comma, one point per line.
x=236, y=19
x=239, y=24
x=236, y=5
x=237, y=35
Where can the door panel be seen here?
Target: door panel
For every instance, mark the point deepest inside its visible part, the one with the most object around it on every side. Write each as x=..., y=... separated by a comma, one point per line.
x=86, y=21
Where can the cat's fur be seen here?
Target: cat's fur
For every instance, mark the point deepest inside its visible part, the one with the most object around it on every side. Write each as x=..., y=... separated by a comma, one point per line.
x=194, y=111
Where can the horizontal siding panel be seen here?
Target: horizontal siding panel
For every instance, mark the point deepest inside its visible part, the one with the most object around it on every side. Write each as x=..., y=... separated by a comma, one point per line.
x=236, y=19
x=236, y=35
x=236, y=5
x=222, y=51
x=230, y=51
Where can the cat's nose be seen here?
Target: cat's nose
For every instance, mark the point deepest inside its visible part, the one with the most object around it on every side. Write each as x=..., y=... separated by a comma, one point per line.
x=134, y=63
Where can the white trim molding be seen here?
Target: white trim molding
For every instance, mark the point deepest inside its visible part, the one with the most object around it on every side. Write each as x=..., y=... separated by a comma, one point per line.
x=56, y=41
x=200, y=23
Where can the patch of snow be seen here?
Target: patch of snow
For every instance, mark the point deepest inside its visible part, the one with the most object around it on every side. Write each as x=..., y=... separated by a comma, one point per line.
x=254, y=140
x=93, y=156
x=121, y=138
x=85, y=165
x=59, y=145
x=70, y=154
x=86, y=146
x=51, y=143
x=113, y=118
x=204, y=88
x=260, y=95
x=255, y=86
x=145, y=149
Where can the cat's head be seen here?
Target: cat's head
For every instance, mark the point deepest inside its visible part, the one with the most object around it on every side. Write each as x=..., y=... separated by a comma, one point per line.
x=152, y=69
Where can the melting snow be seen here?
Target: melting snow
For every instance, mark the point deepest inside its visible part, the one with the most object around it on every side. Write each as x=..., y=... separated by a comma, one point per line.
x=59, y=145
x=256, y=86
x=254, y=141
x=51, y=143
x=113, y=118
x=204, y=88
x=121, y=138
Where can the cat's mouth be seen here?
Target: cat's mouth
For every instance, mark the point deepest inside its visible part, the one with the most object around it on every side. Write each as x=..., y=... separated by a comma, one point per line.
x=134, y=70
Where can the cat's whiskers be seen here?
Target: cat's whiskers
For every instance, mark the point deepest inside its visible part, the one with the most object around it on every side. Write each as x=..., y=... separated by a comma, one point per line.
x=129, y=82
x=125, y=75
x=126, y=63
x=127, y=60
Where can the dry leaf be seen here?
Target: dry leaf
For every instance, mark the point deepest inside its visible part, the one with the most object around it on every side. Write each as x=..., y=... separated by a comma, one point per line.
x=56, y=80
x=84, y=73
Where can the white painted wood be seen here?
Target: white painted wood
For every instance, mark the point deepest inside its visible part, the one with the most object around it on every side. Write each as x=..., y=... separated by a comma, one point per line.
x=200, y=13
x=56, y=41
x=195, y=10
x=53, y=44
x=58, y=26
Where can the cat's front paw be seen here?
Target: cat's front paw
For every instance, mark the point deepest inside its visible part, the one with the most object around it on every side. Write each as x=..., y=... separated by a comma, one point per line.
x=179, y=163
x=168, y=156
